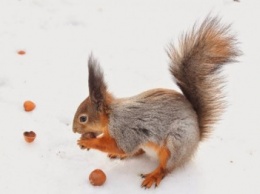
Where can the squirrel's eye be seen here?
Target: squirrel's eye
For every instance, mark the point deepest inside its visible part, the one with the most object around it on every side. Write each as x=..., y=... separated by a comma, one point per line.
x=83, y=118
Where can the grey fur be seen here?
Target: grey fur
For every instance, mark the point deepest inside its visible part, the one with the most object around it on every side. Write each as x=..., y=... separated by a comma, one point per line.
x=160, y=116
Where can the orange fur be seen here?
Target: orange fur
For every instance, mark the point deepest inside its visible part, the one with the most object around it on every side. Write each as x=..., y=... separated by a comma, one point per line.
x=105, y=143
x=158, y=174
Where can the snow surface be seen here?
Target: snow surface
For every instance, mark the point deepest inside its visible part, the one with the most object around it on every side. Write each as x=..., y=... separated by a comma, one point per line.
x=129, y=38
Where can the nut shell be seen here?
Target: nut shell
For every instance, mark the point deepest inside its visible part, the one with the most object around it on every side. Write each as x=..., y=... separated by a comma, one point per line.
x=97, y=177
x=29, y=136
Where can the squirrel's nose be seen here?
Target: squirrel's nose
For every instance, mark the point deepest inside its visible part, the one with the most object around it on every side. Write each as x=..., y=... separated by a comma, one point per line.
x=74, y=129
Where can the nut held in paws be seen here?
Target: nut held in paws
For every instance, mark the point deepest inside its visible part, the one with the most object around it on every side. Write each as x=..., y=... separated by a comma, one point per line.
x=88, y=135
x=97, y=177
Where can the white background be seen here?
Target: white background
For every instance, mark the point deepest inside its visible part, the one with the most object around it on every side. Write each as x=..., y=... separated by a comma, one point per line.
x=129, y=37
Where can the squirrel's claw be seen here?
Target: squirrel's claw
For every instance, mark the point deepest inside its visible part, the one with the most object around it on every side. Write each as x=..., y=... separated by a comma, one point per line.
x=83, y=148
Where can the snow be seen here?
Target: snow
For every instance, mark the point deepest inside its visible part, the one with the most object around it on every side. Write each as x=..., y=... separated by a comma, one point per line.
x=129, y=38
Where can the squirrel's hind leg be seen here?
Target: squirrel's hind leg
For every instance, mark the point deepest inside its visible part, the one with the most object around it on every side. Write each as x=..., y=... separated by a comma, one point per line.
x=117, y=156
x=155, y=177
x=123, y=156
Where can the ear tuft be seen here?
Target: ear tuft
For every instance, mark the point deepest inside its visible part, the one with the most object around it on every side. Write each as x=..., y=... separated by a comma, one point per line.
x=97, y=86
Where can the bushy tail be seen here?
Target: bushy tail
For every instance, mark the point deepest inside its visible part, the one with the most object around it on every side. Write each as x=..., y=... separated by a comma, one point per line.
x=196, y=66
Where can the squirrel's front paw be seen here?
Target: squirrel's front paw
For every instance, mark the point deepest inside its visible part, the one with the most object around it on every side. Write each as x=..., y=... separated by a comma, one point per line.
x=82, y=144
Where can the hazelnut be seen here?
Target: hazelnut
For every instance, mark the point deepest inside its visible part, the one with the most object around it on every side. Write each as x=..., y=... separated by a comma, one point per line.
x=21, y=52
x=29, y=105
x=97, y=177
x=88, y=135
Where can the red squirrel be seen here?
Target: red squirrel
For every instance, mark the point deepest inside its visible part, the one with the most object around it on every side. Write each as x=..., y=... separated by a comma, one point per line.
x=169, y=122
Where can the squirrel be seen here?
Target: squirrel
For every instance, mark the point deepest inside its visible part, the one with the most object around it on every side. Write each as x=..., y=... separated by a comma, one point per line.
x=171, y=123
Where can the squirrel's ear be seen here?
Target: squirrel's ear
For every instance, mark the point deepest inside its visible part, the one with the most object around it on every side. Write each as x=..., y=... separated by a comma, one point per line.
x=97, y=86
